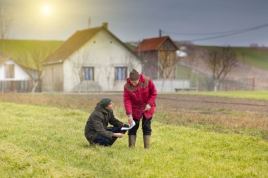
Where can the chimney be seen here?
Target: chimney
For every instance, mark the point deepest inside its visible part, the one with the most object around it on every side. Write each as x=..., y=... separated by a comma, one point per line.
x=105, y=25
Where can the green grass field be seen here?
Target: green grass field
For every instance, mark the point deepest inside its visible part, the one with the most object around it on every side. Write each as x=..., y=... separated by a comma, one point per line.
x=41, y=140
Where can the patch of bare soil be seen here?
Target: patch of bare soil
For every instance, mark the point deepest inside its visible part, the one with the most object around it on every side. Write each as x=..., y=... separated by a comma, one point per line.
x=195, y=102
x=169, y=101
x=190, y=102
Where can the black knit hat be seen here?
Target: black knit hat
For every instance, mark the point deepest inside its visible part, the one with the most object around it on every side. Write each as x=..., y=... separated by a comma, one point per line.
x=134, y=75
x=104, y=102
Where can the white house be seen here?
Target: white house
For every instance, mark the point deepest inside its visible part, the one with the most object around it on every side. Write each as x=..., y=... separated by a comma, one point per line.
x=15, y=77
x=11, y=71
x=91, y=60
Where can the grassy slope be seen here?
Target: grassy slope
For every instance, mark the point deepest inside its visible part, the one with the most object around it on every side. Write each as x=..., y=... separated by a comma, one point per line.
x=257, y=57
x=253, y=57
x=39, y=141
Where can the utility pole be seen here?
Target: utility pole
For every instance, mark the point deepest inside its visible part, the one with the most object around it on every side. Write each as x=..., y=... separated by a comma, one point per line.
x=89, y=22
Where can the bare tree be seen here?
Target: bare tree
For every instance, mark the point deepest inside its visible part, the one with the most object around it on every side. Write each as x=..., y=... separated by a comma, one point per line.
x=77, y=66
x=32, y=63
x=5, y=24
x=130, y=62
x=160, y=63
x=220, y=62
x=81, y=67
x=107, y=71
x=167, y=64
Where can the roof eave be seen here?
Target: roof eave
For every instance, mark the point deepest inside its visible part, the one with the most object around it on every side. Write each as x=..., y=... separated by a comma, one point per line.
x=53, y=62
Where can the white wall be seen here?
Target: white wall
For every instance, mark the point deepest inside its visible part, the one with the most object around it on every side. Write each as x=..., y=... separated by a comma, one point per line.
x=171, y=85
x=19, y=73
x=104, y=53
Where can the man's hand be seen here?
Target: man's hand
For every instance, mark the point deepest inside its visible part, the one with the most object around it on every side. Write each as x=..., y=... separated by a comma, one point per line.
x=125, y=125
x=147, y=107
x=118, y=135
x=130, y=119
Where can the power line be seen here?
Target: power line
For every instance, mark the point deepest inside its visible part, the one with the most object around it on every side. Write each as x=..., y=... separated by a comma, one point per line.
x=220, y=36
x=210, y=33
x=224, y=34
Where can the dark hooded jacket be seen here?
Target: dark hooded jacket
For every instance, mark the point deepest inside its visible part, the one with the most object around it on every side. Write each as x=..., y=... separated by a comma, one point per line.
x=97, y=123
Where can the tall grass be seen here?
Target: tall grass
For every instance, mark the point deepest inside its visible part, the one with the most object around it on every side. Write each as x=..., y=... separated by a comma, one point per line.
x=46, y=141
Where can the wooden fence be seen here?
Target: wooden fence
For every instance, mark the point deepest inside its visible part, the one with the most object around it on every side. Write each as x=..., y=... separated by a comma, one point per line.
x=19, y=86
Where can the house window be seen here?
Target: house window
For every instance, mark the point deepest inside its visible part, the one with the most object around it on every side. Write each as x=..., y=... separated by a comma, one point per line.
x=88, y=73
x=120, y=73
x=9, y=70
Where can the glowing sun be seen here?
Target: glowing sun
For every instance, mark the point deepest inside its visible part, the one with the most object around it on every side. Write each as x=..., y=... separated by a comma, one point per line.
x=46, y=10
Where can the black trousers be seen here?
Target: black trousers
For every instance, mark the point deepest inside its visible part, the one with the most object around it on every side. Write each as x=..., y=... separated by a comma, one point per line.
x=101, y=140
x=146, y=126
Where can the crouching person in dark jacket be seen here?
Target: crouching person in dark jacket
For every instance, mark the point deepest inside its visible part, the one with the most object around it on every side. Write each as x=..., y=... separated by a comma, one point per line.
x=97, y=130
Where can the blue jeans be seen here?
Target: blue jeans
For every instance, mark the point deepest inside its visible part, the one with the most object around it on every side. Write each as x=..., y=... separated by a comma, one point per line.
x=101, y=140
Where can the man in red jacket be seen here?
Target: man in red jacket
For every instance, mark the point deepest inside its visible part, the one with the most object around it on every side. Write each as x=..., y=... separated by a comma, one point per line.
x=139, y=101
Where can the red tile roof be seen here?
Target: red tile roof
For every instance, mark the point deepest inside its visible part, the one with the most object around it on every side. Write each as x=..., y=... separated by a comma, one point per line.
x=151, y=44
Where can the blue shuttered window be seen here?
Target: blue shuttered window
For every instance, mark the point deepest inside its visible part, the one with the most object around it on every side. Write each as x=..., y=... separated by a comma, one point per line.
x=88, y=73
x=120, y=73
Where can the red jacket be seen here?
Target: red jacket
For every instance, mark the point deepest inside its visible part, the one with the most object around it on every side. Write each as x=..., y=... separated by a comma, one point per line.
x=136, y=97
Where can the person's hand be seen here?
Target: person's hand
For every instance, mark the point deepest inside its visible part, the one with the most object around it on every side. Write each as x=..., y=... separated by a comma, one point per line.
x=130, y=119
x=147, y=107
x=125, y=125
x=118, y=135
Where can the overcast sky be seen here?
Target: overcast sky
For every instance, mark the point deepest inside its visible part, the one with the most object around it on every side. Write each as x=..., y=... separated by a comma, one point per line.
x=134, y=20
